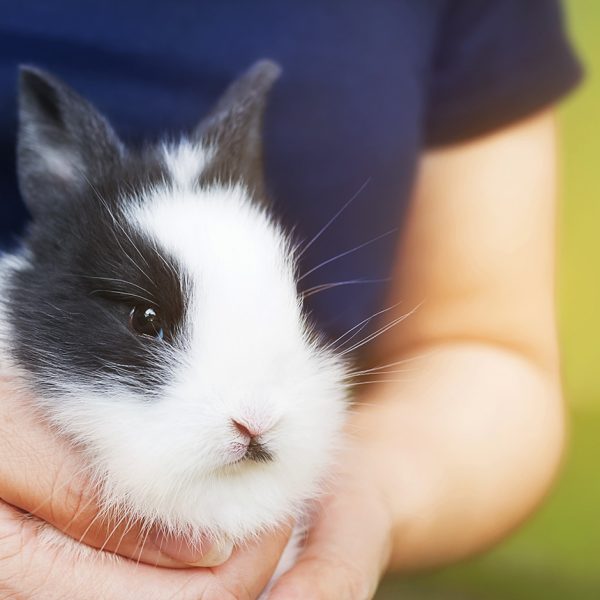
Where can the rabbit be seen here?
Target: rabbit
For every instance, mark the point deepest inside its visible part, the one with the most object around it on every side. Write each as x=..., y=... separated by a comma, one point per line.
x=153, y=310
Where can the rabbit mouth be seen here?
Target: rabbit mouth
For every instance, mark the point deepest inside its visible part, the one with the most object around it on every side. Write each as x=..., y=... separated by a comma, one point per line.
x=258, y=452
x=252, y=452
x=244, y=456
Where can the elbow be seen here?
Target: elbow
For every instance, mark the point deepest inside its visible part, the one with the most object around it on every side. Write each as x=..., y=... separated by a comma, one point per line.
x=553, y=443
x=541, y=456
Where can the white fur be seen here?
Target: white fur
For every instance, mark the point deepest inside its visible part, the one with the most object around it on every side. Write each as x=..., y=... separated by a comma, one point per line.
x=245, y=353
x=185, y=161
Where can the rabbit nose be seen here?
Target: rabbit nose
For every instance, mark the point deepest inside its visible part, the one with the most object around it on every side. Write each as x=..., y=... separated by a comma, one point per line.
x=245, y=429
x=254, y=449
x=251, y=430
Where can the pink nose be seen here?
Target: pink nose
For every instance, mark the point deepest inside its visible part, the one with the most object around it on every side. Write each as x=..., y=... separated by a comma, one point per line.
x=249, y=430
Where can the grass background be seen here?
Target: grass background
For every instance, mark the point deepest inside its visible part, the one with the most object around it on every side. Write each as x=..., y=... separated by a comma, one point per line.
x=557, y=554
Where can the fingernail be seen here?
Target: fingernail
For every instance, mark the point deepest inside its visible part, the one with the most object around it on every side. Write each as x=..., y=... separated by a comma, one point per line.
x=216, y=555
x=200, y=552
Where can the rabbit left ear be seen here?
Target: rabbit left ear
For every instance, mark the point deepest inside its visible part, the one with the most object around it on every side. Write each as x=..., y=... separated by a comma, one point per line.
x=233, y=130
x=63, y=142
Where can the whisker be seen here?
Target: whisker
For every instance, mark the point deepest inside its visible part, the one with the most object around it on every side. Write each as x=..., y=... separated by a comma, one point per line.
x=327, y=286
x=144, y=541
x=76, y=515
x=99, y=516
x=362, y=324
x=128, y=527
x=124, y=281
x=127, y=294
x=347, y=252
x=369, y=372
x=381, y=331
x=353, y=384
x=331, y=221
x=394, y=364
x=372, y=336
x=166, y=263
x=112, y=532
x=132, y=260
x=116, y=222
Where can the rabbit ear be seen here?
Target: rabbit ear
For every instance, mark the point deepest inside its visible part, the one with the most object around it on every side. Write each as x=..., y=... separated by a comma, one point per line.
x=63, y=142
x=233, y=130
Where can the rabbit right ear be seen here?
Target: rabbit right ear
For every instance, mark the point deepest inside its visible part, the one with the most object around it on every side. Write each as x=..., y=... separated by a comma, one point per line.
x=233, y=130
x=63, y=143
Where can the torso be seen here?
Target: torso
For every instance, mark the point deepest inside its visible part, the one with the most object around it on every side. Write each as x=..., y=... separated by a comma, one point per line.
x=347, y=113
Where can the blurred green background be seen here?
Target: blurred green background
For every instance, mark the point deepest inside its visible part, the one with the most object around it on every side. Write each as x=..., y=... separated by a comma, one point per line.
x=557, y=554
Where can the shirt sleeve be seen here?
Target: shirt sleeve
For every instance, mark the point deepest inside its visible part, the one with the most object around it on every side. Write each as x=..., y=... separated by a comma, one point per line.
x=496, y=61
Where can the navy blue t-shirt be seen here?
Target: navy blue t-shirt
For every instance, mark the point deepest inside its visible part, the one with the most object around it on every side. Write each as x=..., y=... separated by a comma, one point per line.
x=366, y=87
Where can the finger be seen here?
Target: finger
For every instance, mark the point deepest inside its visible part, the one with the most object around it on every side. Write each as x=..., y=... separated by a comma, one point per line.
x=38, y=562
x=249, y=570
x=44, y=476
x=345, y=553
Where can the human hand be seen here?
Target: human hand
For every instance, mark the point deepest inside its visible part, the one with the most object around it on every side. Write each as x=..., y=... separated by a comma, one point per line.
x=33, y=568
x=44, y=491
x=349, y=544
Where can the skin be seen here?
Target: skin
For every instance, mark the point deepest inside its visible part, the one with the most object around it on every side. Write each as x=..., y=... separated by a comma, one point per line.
x=448, y=452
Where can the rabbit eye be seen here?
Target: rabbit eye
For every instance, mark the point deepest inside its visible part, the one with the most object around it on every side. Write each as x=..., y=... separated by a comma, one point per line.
x=145, y=320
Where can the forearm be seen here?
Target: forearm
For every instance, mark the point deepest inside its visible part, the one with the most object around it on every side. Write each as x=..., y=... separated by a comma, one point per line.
x=467, y=443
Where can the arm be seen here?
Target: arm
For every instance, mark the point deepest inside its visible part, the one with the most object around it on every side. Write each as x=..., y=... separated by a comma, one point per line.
x=483, y=414
x=453, y=455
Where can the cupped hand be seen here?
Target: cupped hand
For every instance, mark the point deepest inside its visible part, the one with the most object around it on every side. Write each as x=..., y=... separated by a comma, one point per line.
x=49, y=516
x=349, y=543
x=33, y=566
x=44, y=491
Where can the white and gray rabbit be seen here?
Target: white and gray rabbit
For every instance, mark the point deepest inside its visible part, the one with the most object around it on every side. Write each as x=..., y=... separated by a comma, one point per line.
x=153, y=311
